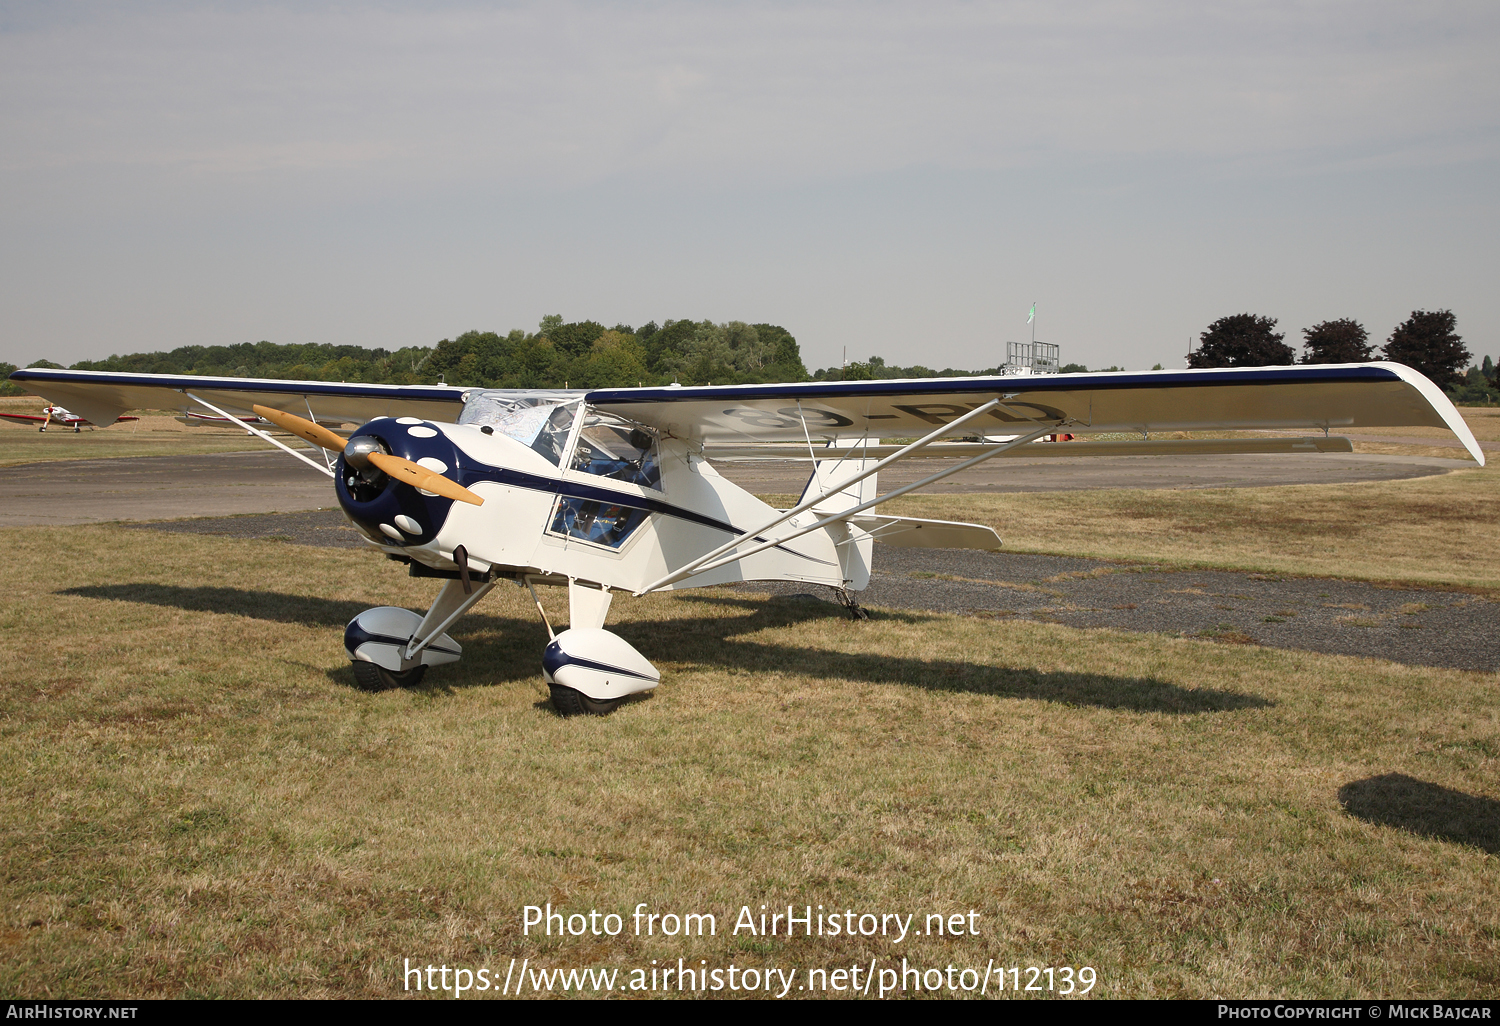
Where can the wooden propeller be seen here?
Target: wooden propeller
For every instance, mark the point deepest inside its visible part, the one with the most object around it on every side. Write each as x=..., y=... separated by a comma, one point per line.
x=302, y=428
x=403, y=470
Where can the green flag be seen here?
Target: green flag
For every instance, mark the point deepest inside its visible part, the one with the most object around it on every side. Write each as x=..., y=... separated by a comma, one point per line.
x=1031, y=316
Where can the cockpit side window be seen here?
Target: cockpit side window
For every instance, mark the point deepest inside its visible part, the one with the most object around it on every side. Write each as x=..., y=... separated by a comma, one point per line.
x=541, y=423
x=613, y=447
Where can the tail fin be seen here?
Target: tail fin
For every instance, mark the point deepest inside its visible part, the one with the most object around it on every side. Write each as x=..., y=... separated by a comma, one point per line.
x=827, y=476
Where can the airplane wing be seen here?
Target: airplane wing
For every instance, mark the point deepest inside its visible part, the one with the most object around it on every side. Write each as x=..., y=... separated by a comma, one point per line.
x=101, y=396
x=1323, y=397
x=22, y=418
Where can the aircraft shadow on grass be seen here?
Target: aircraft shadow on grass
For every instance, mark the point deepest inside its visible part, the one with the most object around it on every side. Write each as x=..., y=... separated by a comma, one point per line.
x=499, y=649
x=1429, y=810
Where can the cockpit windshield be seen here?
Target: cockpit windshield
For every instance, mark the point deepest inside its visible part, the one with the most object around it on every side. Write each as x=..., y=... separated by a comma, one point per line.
x=541, y=422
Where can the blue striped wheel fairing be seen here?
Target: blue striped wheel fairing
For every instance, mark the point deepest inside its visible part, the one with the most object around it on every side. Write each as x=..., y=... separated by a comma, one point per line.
x=555, y=659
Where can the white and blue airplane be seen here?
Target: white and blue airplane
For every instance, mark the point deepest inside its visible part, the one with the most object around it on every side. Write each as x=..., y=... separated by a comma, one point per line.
x=610, y=490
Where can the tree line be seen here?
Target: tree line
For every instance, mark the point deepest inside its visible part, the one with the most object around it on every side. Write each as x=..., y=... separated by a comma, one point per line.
x=876, y=369
x=1428, y=341
x=576, y=354
x=586, y=354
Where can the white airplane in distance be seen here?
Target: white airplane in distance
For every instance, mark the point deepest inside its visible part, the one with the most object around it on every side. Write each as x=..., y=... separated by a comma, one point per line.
x=56, y=415
x=610, y=490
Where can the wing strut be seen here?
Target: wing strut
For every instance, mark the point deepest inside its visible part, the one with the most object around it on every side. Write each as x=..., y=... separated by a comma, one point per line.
x=846, y=514
x=716, y=558
x=946, y=429
x=262, y=434
x=460, y=604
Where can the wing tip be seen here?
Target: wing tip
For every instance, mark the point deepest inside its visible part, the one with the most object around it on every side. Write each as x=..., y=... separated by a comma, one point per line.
x=1441, y=405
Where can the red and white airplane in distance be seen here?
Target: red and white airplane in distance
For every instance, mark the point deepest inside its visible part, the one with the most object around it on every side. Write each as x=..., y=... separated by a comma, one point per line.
x=56, y=415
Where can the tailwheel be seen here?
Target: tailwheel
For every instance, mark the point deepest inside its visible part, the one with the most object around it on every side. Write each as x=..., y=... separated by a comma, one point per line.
x=571, y=702
x=855, y=610
x=371, y=677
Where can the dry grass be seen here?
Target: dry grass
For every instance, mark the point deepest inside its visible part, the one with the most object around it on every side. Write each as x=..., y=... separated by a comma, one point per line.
x=1484, y=421
x=195, y=800
x=1442, y=452
x=1436, y=531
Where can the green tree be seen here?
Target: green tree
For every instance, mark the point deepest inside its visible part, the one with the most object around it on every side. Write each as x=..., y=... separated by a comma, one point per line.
x=536, y=364
x=1429, y=342
x=616, y=360
x=573, y=339
x=1474, y=387
x=1340, y=341
x=1242, y=340
x=785, y=360
x=7, y=386
x=668, y=347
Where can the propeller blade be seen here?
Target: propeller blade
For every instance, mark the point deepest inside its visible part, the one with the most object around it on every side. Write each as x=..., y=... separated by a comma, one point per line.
x=398, y=468
x=421, y=477
x=302, y=428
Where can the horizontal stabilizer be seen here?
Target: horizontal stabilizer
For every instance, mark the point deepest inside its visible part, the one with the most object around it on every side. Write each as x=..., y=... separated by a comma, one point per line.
x=913, y=533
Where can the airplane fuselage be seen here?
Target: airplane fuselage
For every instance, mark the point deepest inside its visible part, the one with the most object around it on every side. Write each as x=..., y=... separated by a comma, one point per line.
x=568, y=507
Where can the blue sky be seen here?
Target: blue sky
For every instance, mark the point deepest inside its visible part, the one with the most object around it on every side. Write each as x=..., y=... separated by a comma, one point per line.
x=902, y=180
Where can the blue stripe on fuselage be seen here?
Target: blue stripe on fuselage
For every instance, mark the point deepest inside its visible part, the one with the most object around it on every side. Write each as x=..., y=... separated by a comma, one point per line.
x=472, y=472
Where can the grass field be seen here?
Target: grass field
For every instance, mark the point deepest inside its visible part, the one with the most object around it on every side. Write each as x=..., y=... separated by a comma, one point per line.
x=1483, y=421
x=195, y=801
x=1425, y=532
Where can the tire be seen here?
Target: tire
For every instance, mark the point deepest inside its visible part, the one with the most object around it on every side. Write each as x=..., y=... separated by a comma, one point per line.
x=370, y=677
x=570, y=702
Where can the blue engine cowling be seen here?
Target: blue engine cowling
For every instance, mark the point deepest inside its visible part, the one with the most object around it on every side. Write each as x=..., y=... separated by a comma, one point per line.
x=372, y=500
